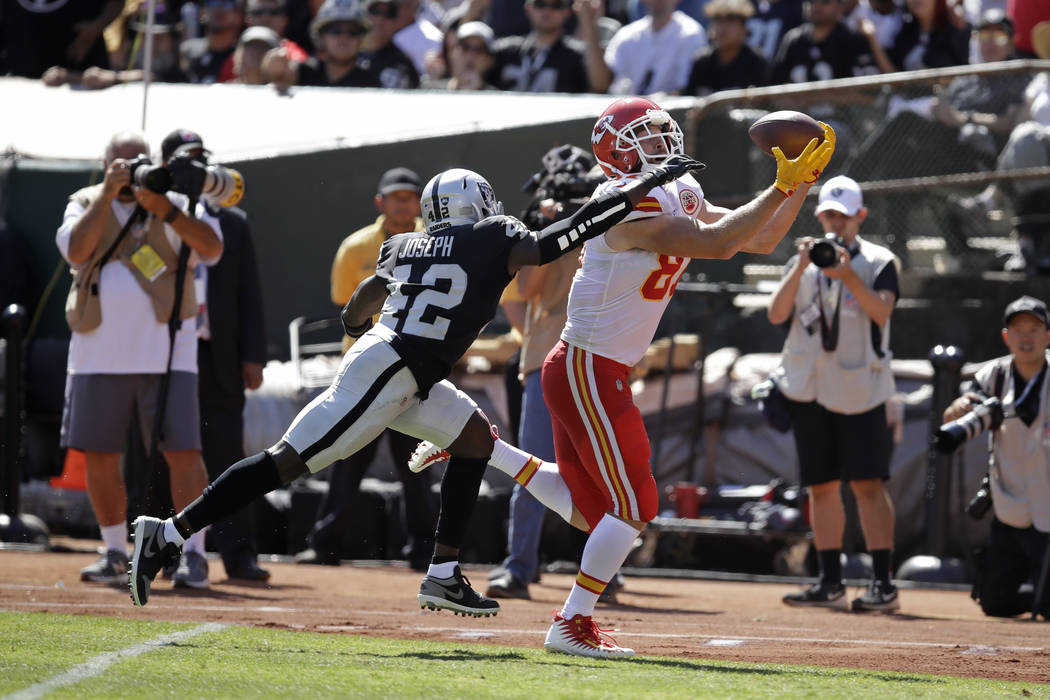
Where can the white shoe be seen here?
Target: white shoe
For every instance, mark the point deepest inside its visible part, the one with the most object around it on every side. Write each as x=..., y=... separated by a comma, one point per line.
x=581, y=637
x=425, y=455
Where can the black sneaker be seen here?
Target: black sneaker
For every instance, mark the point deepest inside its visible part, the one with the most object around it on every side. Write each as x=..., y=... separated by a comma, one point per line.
x=819, y=595
x=455, y=594
x=880, y=597
x=152, y=553
x=506, y=586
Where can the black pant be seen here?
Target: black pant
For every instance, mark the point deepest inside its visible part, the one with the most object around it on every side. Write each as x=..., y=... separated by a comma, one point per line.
x=344, y=483
x=1013, y=556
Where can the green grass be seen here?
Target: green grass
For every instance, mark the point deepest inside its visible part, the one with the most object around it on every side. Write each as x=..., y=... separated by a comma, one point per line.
x=243, y=662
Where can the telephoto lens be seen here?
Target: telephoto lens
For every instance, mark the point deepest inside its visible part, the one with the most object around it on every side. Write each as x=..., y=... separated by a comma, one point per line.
x=986, y=415
x=823, y=253
x=155, y=178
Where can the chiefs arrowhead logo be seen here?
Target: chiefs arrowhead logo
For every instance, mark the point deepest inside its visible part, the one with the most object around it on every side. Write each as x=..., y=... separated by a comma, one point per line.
x=690, y=201
x=601, y=127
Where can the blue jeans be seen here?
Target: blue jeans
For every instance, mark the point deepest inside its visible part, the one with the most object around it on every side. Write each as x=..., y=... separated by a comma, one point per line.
x=526, y=513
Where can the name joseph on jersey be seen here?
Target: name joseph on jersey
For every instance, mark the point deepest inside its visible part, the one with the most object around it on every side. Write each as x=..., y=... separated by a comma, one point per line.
x=435, y=246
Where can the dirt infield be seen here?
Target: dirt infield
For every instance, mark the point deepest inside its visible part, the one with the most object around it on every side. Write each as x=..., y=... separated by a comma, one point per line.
x=935, y=631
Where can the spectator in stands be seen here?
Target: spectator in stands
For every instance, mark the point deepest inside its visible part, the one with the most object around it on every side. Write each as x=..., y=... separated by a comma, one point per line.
x=380, y=55
x=771, y=21
x=545, y=60
x=397, y=200
x=251, y=49
x=822, y=48
x=437, y=62
x=338, y=31
x=39, y=35
x=165, y=65
x=878, y=19
x=209, y=58
x=929, y=38
x=414, y=34
x=651, y=55
x=122, y=243
x=274, y=14
x=506, y=17
x=729, y=62
x=470, y=60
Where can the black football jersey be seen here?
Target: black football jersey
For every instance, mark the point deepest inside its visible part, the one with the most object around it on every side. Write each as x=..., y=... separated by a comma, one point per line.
x=443, y=288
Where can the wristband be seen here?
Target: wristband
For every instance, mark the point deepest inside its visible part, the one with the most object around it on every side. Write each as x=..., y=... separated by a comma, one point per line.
x=358, y=331
x=170, y=216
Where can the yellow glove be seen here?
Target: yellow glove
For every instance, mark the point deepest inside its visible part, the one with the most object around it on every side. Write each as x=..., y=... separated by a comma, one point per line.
x=807, y=166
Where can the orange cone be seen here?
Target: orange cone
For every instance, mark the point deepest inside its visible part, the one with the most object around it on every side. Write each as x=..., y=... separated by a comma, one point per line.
x=74, y=472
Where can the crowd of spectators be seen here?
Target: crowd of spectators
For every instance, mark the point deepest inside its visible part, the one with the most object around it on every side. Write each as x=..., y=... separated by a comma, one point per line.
x=688, y=47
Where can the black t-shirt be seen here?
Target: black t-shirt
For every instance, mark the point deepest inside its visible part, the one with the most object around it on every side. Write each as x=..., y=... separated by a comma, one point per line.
x=390, y=67
x=915, y=50
x=843, y=54
x=444, y=287
x=523, y=66
x=709, y=74
x=36, y=39
x=203, y=64
x=311, y=73
x=770, y=23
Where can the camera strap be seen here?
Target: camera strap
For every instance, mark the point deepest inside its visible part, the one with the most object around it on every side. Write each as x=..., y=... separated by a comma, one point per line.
x=829, y=338
x=139, y=214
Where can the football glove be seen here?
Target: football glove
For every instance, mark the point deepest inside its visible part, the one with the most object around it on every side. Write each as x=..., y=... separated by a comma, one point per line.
x=809, y=164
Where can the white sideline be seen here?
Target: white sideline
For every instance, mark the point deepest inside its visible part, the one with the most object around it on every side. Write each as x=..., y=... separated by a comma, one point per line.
x=100, y=663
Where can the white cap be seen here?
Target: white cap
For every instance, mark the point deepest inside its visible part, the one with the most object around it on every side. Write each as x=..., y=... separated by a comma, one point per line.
x=840, y=194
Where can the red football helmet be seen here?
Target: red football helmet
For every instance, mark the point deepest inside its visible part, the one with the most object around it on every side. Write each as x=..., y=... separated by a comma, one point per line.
x=633, y=135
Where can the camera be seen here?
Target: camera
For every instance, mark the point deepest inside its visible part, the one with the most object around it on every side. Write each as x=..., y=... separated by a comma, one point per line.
x=216, y=184
x=981, y=501
x=565, y=178
x=987, y=415
x=823, y=253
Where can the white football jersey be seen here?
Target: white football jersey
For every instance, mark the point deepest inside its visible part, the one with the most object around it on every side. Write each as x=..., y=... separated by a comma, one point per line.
x=617, y=298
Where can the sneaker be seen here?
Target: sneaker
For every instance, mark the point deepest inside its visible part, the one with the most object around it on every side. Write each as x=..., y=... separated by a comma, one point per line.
x=316, y=556
x=152, y=553
x=455, y=594
x=426, y=454
x=506, y=586
x=581, y=637
x=880, y=597
x=110, y=567
x=819, y=595
x=192, y=571
x=608, y=596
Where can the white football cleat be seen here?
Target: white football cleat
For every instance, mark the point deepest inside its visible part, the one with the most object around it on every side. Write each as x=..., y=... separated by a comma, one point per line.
x=581, y=637
x=426, y=454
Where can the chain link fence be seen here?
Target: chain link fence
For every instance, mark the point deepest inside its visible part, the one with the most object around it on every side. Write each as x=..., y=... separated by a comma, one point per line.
x=918, y=173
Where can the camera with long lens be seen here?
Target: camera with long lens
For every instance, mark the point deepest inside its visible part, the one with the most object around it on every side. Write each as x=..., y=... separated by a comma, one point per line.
x=981, y=501
x=565, y=178
x=823, y=253
x=216, y=184
x=987, y=415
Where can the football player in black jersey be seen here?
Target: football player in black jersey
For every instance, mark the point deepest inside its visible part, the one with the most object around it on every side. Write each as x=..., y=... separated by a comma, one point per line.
x=437, y=289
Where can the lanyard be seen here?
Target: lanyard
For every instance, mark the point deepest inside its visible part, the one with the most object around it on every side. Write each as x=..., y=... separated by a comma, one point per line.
x=829, y=338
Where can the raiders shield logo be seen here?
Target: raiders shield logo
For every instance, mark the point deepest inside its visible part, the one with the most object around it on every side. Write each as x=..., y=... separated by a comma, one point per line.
x=690, y=202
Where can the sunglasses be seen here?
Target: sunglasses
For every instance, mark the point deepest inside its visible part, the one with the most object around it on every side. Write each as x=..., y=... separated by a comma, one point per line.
x=383, y=9
x=550, y=4
x=266, y=12
x=345, y=31
x=470, y=47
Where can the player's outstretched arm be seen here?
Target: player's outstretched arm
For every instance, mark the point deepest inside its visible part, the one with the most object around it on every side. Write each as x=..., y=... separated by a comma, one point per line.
x=365, y=303
x=596, y=216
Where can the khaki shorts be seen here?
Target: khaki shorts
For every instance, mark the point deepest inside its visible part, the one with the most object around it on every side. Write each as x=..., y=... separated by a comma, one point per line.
x=99, y=408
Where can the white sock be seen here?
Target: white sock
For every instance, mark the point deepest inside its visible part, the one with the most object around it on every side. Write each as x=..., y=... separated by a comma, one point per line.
x=195, y=542
x=607, y=546
x=539, y=478
x=115, y=537
x=443, y=570
x=172, y=535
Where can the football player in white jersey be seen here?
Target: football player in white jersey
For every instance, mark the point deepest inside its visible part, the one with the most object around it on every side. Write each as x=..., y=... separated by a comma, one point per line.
x=618, y=295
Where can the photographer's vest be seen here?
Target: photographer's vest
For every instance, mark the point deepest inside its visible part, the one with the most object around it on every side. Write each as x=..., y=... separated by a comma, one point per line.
x=83, y=306
x=1020, y=474
x=853, y=378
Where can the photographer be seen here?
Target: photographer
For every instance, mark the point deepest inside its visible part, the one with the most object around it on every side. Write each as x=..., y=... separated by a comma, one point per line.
x=1019, y=463
x=837, y=378
x=122, y=241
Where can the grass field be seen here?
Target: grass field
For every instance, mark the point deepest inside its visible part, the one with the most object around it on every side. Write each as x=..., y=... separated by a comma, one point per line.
x=58, y=656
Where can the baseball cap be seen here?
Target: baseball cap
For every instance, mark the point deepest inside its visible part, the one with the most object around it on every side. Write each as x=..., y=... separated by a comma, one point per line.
x=260, y=33
x=397, y=179
x=181, y=139
x=840, y=194
x=995, y=17
x=479, y=30
x=1026, y=305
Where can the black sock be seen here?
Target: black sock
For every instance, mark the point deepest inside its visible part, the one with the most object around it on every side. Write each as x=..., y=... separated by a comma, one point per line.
x=830, y=566
x=459, y=493
x=880, y=564
x=438, y=559
x=235, y=488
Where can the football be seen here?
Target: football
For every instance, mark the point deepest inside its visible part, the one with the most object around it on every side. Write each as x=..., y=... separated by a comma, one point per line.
x=789, y=130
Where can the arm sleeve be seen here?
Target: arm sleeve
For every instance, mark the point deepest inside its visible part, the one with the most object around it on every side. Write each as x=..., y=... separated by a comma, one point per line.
x=593, y=219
